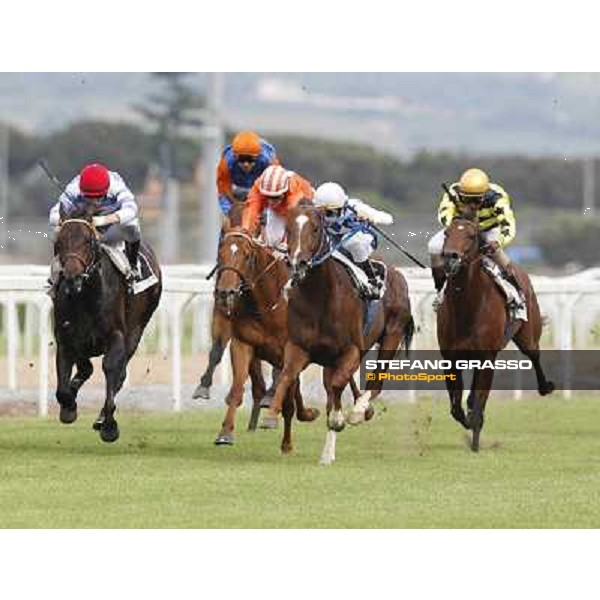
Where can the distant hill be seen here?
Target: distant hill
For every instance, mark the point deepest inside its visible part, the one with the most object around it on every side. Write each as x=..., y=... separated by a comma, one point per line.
x=530, y=113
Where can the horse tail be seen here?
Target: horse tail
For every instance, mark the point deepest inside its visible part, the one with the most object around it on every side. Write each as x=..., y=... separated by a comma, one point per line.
x=409, y=332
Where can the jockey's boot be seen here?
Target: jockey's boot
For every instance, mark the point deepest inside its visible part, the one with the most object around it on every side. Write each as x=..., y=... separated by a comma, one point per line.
x=133, y=250
x=517, y=309
x=439, y=279
x=374, y=291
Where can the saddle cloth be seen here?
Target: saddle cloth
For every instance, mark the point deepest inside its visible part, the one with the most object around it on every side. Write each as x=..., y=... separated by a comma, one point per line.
x=358, y=276
x=146, y=278
x=508, y=289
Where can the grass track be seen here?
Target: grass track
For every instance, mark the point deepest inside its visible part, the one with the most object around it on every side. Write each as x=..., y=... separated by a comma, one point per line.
x=409, y=467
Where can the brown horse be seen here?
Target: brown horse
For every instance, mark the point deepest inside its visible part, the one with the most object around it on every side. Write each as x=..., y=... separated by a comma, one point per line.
x=94, y=315
x=250, y=279
x=221, y=334
x=326, y=321
x=473, y=319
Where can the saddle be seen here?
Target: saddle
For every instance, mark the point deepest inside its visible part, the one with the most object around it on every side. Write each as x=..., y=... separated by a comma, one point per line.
x=145, y=277
x=515, y=302
x=358, y=277
x=361, y=282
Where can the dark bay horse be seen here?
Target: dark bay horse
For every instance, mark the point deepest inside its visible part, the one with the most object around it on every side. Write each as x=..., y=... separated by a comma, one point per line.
x=221, y=334
x=326, y=322
x=95, y=315
x=248, y=289
x=473, y=319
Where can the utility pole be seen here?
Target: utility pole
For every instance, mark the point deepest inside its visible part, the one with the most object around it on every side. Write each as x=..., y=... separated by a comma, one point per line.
x=211, y=136
x=169, y=232
x=4, y=189
x=589, y=186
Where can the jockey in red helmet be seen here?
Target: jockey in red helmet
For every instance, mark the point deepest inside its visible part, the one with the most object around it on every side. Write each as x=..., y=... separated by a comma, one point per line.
x=114, y=208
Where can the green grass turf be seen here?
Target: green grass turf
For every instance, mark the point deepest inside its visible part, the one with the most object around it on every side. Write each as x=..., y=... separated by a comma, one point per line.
x=409, y=467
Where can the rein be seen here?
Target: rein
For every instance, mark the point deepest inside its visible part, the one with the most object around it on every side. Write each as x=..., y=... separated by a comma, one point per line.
x=88, y=268
x=476, y=258
x=245, y=285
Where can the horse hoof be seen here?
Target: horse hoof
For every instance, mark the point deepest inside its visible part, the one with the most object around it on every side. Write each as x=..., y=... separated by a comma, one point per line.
x=224, y=439
x=356, y=417
x=309, y=415
x=547, y=389
x=269, y=422
x=68, y=415
x=286, y=448
x=109, y=433
x=265, y=401
x=202, y=392
x=337, y=427
x=369, y=413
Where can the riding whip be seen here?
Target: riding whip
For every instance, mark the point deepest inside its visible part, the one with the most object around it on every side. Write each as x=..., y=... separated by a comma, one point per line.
x=397, y=245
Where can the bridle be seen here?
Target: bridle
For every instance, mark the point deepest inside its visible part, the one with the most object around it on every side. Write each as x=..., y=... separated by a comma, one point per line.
x=88, y=269
x=469, y=255
x=247, y=286
x=325, y=248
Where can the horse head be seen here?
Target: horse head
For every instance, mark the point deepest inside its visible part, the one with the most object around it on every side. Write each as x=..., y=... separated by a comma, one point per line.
x=461, y=245
x=237, y=263
x=77, y=247
x=306, y=238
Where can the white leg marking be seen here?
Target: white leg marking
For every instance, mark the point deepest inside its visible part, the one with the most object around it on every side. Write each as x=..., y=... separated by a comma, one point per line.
x=357, y=414
x=336, y=419
x=328, y=455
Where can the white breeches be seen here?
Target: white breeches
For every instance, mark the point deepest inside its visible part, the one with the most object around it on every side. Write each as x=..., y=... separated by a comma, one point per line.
x=274, y=231
x=360, y=246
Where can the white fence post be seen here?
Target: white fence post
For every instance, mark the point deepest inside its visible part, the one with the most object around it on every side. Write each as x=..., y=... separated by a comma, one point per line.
x=186, y=284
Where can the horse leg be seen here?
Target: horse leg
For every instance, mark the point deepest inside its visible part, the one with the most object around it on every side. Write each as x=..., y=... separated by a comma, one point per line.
x=221, y=334
x=270, y=393
x=303, y=413
x=328, y=454
x=241, y=357
x=258, y=392
x=338, y=378
x=113, y=365
x=531, y=350
x=388, y=348
x=295, y=361
x=355, y=390
x=455, y=391
x=84, y=372
x=65, y=395
x=288, y=414
x=482, y=383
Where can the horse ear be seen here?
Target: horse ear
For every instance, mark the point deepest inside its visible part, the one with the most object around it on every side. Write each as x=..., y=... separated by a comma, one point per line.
x=226, y=225
x=89, y=211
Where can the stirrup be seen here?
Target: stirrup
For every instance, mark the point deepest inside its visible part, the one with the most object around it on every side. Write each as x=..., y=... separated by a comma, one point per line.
x=437, y=301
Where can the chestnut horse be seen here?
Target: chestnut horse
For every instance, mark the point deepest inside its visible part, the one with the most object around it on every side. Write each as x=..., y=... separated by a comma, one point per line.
x=326, y=321
x=248, y=290
x=94, y=315
x=221, y=334
x=473, y=319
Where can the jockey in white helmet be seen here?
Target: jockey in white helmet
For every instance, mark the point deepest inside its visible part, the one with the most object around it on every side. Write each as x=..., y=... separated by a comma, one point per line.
x=344, y=215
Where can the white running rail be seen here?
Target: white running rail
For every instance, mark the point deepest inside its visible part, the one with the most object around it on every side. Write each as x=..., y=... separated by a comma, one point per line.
x=572, y=305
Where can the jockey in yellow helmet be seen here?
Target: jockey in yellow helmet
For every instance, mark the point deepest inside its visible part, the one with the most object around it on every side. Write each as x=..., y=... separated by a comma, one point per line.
x=496, y=222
